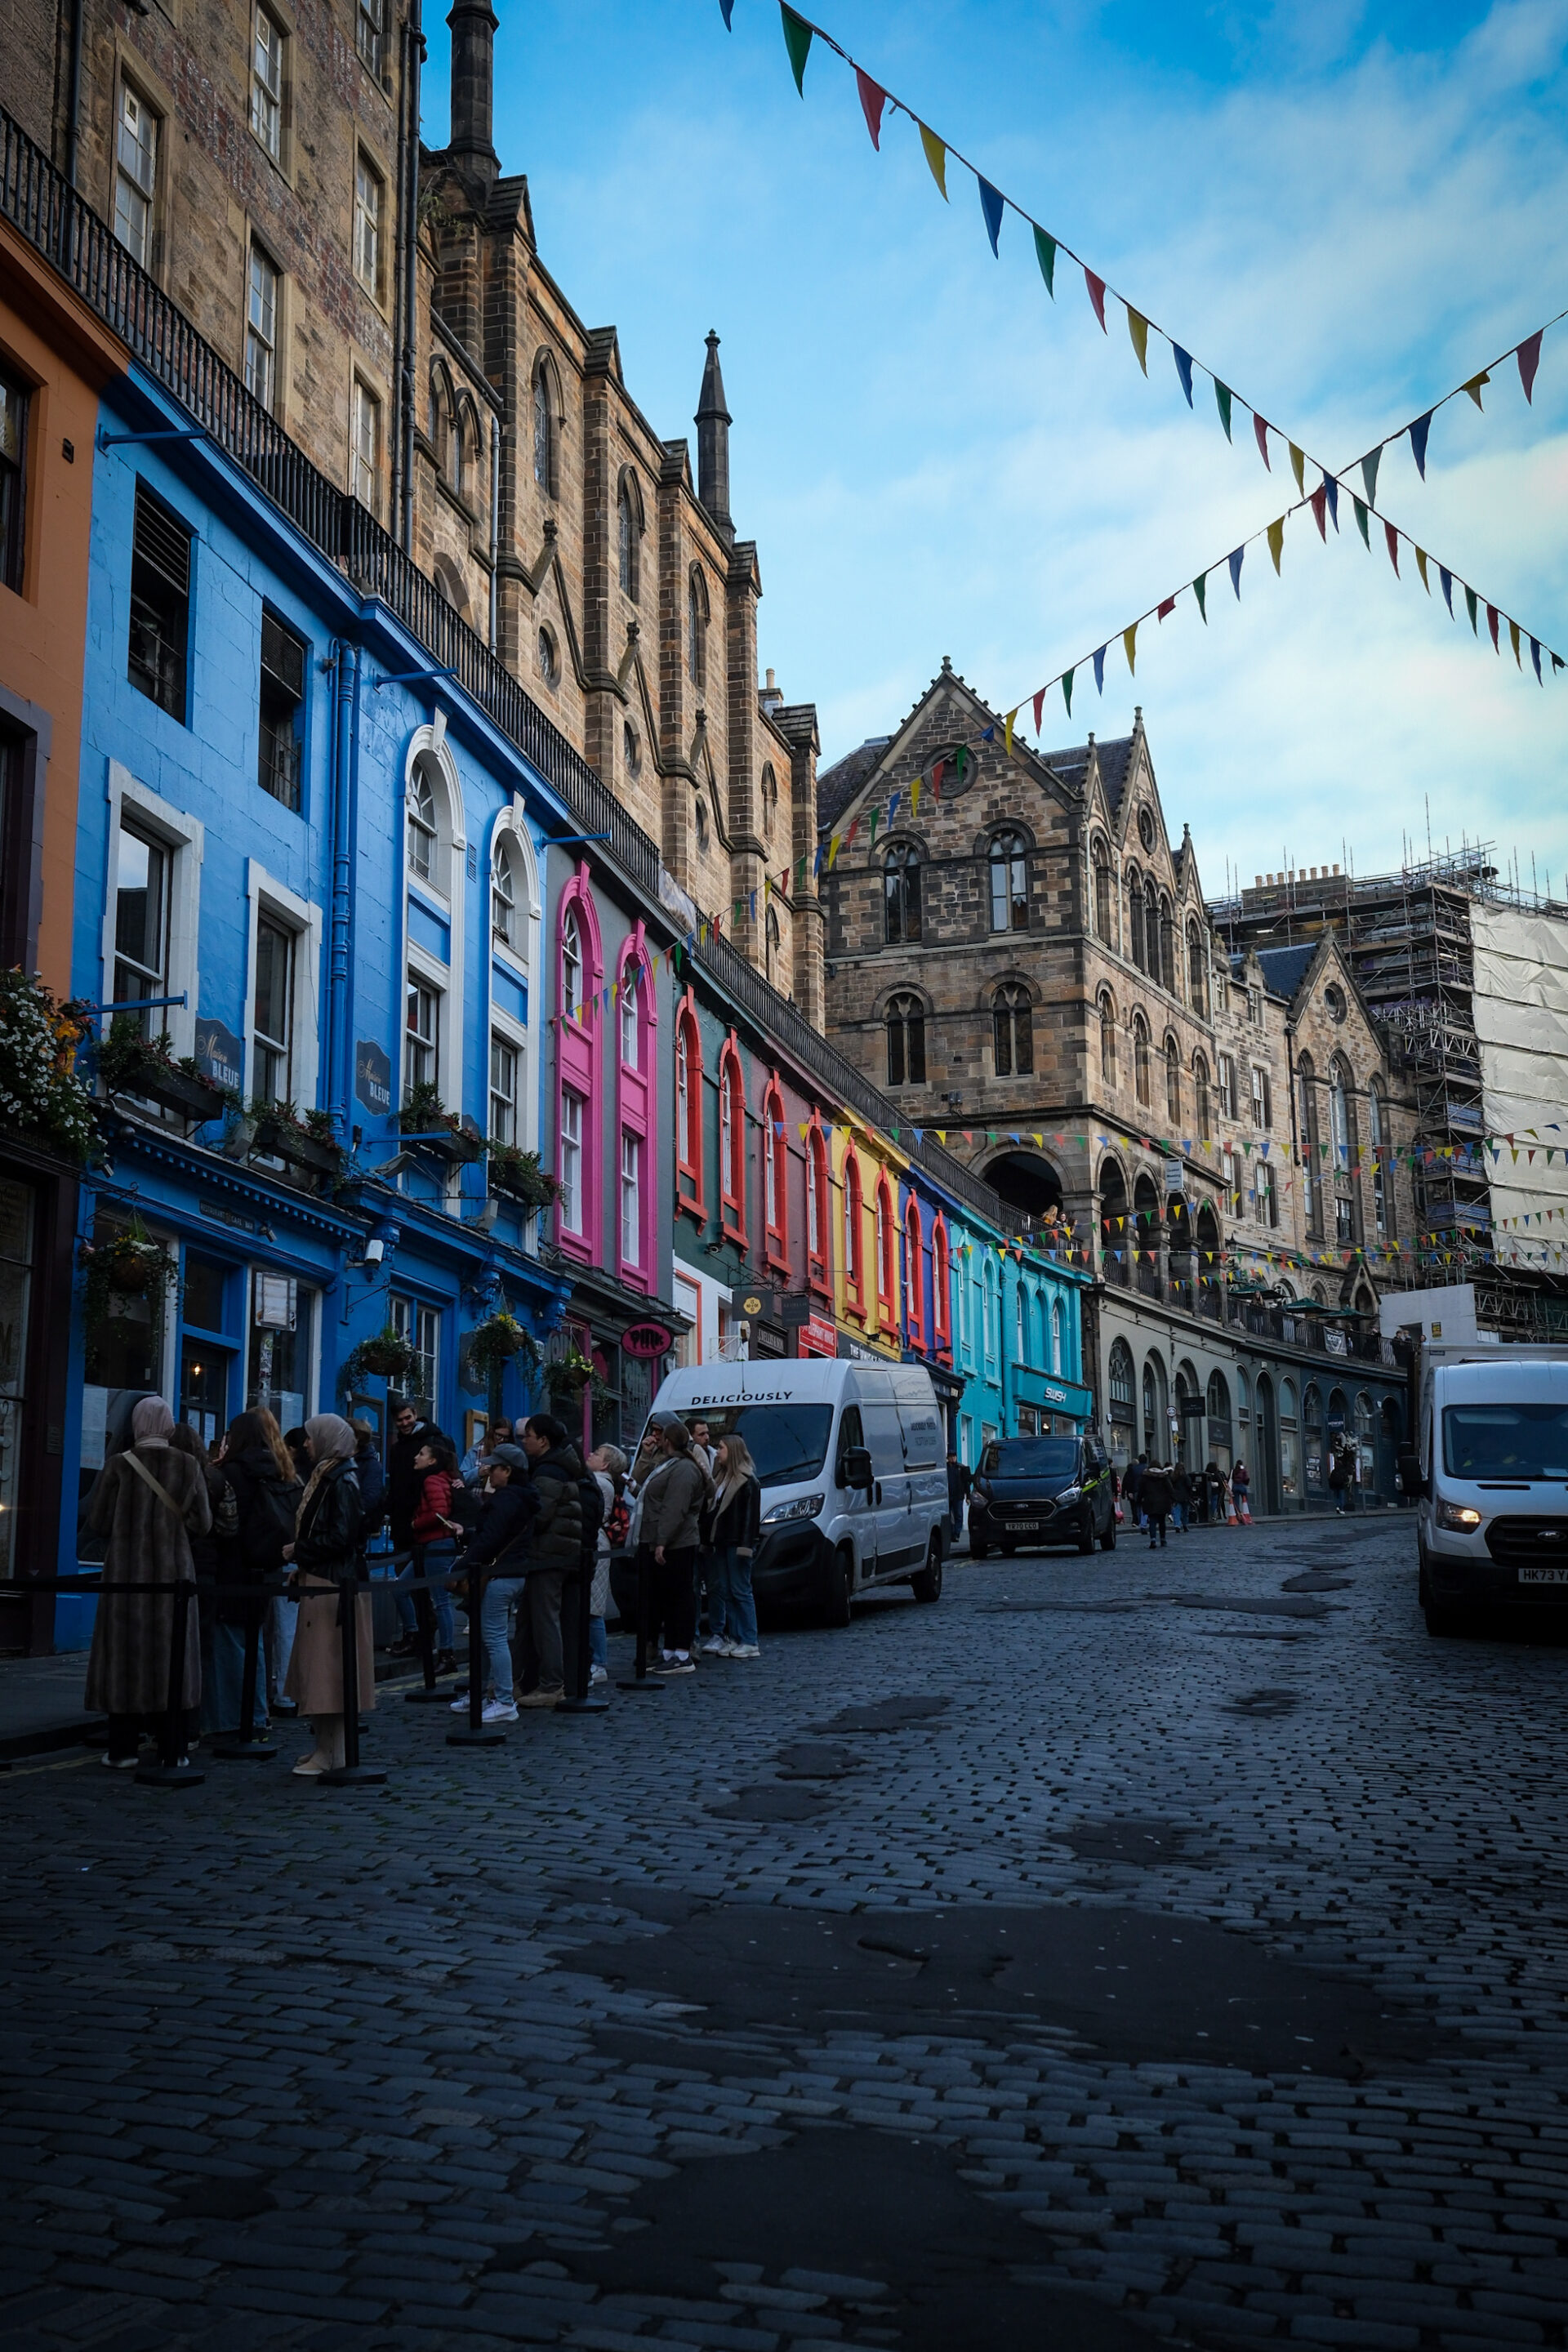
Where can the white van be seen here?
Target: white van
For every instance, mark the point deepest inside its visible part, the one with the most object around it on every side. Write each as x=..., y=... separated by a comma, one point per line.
x=852, y=1460
x=1490, y=1475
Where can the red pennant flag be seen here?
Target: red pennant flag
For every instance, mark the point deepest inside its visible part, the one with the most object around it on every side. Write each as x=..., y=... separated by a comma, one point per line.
x=1168, y=606
x=1260, y=433
x=1392, y=536
x=1492, y=624
x=1039, y=704
x=872, y=100
x=1529, y=358
x=1320, y=502
x=1096, y=296
x=936, y=775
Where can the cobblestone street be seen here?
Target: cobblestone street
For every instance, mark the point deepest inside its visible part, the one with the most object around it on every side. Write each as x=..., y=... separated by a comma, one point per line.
x=1124, y=1948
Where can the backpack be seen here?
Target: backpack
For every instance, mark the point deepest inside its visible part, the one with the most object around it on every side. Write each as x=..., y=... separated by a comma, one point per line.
x=268, y=1525
x=618, y=1526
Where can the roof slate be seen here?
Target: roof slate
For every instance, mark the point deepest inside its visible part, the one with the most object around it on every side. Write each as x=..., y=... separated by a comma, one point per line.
x=836, y=786
x=1284, y=968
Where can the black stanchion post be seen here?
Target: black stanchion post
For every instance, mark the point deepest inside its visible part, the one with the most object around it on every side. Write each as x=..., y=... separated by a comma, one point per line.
x=642, y=1681
x=582, y=1702
x=174, y=1770
x=424, y=1612
x=477, y=1732
x=351, y=1771
x=247, y=1748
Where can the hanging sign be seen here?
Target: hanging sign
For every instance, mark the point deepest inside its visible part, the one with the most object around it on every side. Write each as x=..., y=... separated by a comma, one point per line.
x=649, y=1340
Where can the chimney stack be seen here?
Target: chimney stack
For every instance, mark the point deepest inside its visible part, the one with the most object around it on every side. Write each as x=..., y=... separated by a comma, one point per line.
x=473, y=29
x=712, y=422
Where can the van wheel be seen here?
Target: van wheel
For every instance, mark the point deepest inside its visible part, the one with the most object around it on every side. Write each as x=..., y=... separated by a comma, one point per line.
x=977, y=1550
x=927, y=1585
x=1008, y=1550
x=1108, y=1540
x=1444, y=1624
x=840, y=1587
x=1086, y=1534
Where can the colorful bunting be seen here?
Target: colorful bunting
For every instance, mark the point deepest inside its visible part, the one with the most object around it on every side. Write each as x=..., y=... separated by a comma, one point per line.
x=1391, y=537
x=1361, y=519
x=1234, y=561
x=1418, y=432
x=1096, y=296
x=1045, y=254
x=1138, y=327
x=1298, y=467
x=1184, y=370
x=1276, y=541
x=1130, y=643
x=1369, y=466
x=1260, y=434
x=1100, y=671
x=936, y=156
x=797, y=41
x=990, y=202
x=1221, y=393
x=1200, y=590
x=1528, y=354
x=872, y=100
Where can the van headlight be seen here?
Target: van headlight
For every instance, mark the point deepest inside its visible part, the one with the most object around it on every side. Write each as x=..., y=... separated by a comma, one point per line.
x=1067, y=1494
x=1459, y=1517
x=804, y=1507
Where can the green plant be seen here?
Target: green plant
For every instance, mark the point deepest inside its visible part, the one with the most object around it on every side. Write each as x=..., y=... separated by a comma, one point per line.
x=493, y=1343
x=423, y=1109
x=523, y=1175
x=128, y=1054
x=385, y=1356
x=127, y=1263
x=40, y=1093
x=569, y=1375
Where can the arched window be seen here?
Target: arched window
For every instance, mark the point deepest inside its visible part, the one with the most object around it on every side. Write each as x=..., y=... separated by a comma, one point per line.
x=464, y=434
x=1311, y=1154
x=1121, y=1382
x=1012, y=1030
x=1219, y=1429
x=1167, y=946
x=1020, y=1327
x=1211, y=1291
x=1056, y=1366
x=1201, y=1096
x=854, y=1239
x=1118, y=1239
x=914, y=1276
x=771, y=949
x=690, y=1190
x=1339, y=1111
x=887, y=1254
x=424, y=858
x=701, y=824
x=627, y=1009
x=1103, y=926
x=775, y=1175
x=503, y=895
x=1173, y=1081
x=905, y=1042
x=696, y=627
x=816, y=1205
x=1197, y=971
x=1106, y=1038
x=1009, y=883
x=627, y=539
x=571, y=966
x=989, y=1312
x=940, y=1285
x=1382, y=1163
x=1343, y=1128
x=544, y=431
x=1141, y=1058
x=965, y=1305
x=1150, y=930
x=637, y=1004
x=901, y=895
x=732, y=1141
x=578, y=1124
x=1135, y=917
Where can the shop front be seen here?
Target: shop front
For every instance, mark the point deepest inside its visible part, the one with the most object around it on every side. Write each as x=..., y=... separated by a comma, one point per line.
x=37, y=1220
x=603, y=1366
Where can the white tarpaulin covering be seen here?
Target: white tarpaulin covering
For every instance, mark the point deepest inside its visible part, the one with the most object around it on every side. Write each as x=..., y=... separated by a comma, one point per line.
x=1521, y=1022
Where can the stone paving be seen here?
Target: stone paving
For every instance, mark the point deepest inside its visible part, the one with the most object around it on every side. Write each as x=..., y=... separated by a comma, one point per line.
x=865, y=1995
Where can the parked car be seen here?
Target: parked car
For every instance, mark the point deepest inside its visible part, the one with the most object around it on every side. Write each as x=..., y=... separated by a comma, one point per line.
x=1489, y=1474
x=1033, y=1493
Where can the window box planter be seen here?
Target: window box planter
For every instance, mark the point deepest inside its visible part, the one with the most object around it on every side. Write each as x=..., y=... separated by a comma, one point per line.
x=518, y=1176
x=280, y=1138
x=193, y=1099
x=426, y=1125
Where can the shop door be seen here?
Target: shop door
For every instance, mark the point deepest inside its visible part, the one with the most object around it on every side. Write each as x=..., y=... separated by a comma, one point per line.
x=1266, y=1472
x=16, y=1213
x=204, y=1388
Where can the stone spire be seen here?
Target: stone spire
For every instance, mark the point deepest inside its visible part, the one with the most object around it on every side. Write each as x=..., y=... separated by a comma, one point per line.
x=712, y=422
x=473, y=25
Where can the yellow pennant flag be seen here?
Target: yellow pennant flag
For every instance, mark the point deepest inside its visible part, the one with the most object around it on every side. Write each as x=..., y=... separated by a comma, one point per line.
x=833, y=850
x=936, y=156
x=1007, y=736
x=1276, y=539
x=1298, y=467
x=1130, y=639
x=1138, y=327
x=915, y=797
x=1421, y=567
x=1513, y=640
x=941, y=1135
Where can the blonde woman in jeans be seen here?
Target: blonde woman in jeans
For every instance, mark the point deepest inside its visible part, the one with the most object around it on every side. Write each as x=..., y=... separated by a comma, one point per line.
x=737, y=1520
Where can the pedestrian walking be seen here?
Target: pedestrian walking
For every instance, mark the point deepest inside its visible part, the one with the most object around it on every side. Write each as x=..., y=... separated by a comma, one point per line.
x=1133, y=1487
x=1240, y=1486
x=1214, y=1490
x=148, y=1503
x=500, y=1542
x=608, y=1465
x=672, y=1495
x=960, y=1480
x=1339, y=1479
x=1154, y=1494
x=258, y=1472
x=328, y=1548
x=735, y=1518
x=437, y=1531
x=554, y=1552
x=1181, y=1497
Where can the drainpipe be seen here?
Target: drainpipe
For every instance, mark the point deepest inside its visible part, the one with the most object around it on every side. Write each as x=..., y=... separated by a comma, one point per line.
x=495, y=520
x=345, y=774
x=410, y=295
x=73, y=96
x=1003, y=1358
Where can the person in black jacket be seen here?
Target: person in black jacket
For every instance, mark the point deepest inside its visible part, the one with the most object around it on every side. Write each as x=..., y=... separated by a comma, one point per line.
x=736, y=1523
x=327, y=1549
x=221, y=1623
x=258, y=1471
x=1154, y=1494
x=511, y=1507
x=371, y=1478
x=554, y=1552
x=403, y=1491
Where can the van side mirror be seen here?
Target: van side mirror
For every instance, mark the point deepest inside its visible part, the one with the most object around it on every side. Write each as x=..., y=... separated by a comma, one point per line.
x=1411, y=1481
x=857, y=1471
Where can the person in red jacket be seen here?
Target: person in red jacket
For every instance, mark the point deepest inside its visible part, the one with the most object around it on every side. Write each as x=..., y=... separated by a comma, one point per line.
x=436, y=1532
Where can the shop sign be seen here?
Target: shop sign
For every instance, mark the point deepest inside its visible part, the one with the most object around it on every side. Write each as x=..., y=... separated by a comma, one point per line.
x=649, y=1340
x=372, y=1077
x=751, y=1306
x=219, y=1055
x=1175, y=1175
x=818, y=1336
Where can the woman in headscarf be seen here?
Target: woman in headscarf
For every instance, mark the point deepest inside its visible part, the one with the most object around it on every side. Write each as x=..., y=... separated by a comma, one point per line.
x=328, y=1547
x=148, y=1503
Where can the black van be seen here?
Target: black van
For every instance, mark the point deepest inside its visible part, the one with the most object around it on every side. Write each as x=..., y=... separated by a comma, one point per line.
x=1033, y=1491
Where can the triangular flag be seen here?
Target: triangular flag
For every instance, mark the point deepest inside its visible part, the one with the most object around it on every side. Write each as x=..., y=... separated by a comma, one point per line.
x=1184, y=370
x=872, y=100
x=1007, y=738
x=1391, y=537
x=1513, y=640
x=1138, y=327
x=1096, y=295
x=1222, y=397
x=1475, y=384
x=991, y=203
x=1045, y=254
x=726, y=10
x=1418, y=432
x=1130, y=640
x=1298, y=467
x=1320, y=503
x=1235, y=556
x=1067, y=689
x=1163, y=610
x=1200, y=590
x=1039, y=704
x=1446, y=582
x=1535, y=659
x=1100, y=671
x=936, y=156
x=1331, y=492
x=797, y=41
x=1529, y=358
x=1421, y=567
x=1492, y=624
x=1276, y=541
x=1361, y=520
x=1260, y=434
x=1369, y=466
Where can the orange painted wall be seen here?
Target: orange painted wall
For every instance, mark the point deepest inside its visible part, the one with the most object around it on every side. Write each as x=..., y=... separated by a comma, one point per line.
x=47, y=336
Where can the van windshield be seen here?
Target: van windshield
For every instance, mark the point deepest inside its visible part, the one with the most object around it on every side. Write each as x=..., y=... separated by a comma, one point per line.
x=1506, y=1440
x=1030, y=1458
x=788, y=1442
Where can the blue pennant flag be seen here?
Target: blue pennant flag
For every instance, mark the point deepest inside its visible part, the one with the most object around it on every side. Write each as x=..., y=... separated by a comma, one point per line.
x=1184, y=370
x=991, y=201
x=1331, y=491
x=1099, y=670
x=1235, y=556
x=1446, y=581
x=1418, y=432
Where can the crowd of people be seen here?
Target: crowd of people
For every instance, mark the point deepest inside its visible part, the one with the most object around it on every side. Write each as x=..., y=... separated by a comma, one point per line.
x=269, y=1529
x=1155, y=1495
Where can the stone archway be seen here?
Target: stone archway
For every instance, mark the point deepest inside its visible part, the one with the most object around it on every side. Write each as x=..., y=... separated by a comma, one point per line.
x=1027, y=1182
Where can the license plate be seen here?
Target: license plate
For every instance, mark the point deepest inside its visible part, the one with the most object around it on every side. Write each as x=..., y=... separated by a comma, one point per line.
x=1025, y=1527
x=1544, y=1575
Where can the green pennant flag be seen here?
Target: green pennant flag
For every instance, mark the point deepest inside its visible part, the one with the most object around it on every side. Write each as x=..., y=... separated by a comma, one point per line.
x=1360, y=521
x=797, y=41
x=1471, y=609
x=1369, y=466
x=1201, y=590
x=1045, y=254
x=961, y=760
x=1222, y=396
x=1067, y=689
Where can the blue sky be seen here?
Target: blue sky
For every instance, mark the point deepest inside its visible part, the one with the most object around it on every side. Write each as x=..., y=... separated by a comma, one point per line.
x=1344, y=210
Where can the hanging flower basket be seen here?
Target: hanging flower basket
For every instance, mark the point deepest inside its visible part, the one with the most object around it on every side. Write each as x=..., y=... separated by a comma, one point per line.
x=40, y=1093
x=569, y=1376
x=125, y=1265
x=385, y=1356
x=496, y=1342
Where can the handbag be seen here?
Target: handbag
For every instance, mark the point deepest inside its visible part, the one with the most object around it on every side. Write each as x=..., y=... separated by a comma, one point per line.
x=158, y=1488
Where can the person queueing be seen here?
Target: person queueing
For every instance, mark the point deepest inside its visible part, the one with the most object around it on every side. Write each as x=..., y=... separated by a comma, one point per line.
x=329, y=1547
x=222, y=1619
x=673, y=1493
x=608, y=1465
x=148, y=1503
x=960, y=1480
x=437, y=1531
x=258, y=1471
x=1240, y=1485
x=554, y=1553
x=405, y=1485
x=476, y=1462
x=511, y=1504
x=736, y=1523
x=1154, y=1494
